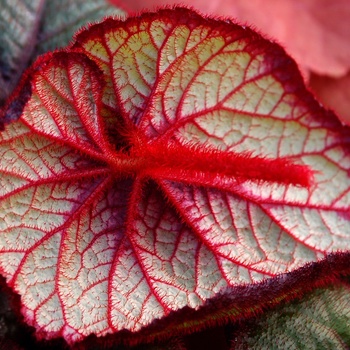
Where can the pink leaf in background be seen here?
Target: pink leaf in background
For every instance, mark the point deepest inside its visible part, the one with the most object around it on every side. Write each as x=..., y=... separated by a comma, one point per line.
x=157, y=161
x=334, y=93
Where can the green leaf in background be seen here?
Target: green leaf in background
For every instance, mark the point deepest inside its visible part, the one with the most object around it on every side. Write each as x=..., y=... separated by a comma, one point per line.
x=62, y=19
x=321, y=320
x=19, y=25
x=31, y=27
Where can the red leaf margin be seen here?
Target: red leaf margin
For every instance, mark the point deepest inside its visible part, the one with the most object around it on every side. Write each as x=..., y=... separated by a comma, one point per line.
x=234, y=304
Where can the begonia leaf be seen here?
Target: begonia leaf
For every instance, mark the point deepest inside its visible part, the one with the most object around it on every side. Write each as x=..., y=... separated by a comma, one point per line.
x=29, y=28
x=158, y=161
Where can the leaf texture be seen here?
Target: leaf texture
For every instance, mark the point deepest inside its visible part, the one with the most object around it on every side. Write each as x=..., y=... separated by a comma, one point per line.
x=159, y=160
